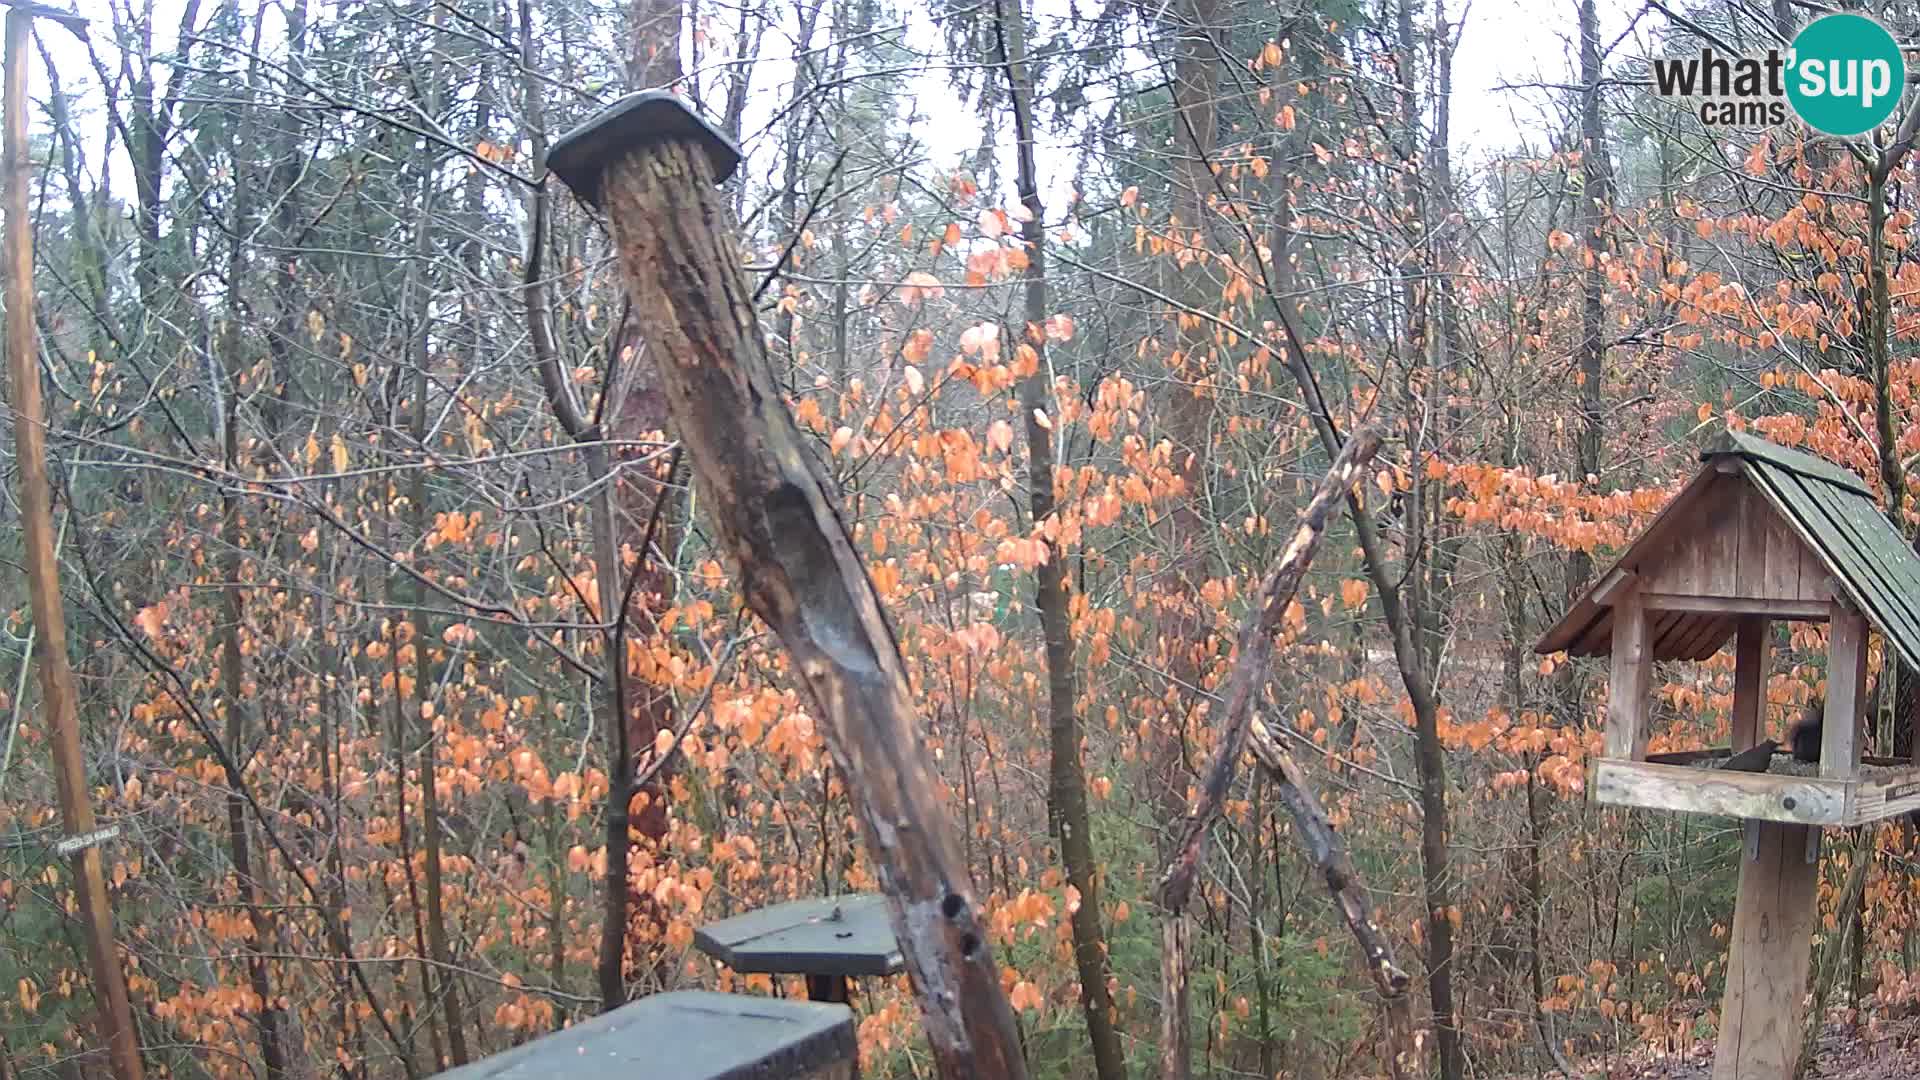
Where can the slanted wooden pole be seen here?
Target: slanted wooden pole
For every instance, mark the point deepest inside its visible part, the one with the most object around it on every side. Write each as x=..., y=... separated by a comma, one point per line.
x=60, y=704
x=1252, y=670
x=653, y=164
x=1762, y=1014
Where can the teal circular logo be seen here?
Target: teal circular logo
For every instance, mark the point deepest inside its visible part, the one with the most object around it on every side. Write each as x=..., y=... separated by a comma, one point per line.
x=1845, y=74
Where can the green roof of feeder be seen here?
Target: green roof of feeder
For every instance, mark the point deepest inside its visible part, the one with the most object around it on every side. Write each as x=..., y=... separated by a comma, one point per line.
x=1829, y=509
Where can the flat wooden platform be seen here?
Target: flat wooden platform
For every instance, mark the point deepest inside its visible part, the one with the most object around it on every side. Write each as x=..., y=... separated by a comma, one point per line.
x=1696, y=787
x=687, y=1035
x=843, y=935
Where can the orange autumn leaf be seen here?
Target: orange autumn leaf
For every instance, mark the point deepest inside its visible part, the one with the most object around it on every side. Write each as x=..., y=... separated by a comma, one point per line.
x=151, y=620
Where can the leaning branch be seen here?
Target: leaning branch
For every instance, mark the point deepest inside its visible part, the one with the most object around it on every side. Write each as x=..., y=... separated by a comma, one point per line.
x=1251, y=670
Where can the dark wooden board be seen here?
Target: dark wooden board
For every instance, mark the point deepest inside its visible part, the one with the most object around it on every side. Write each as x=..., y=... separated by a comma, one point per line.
x=686, y=1035
x=845, y=935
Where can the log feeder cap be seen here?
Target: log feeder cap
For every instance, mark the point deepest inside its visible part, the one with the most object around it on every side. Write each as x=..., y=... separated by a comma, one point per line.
x=581, y=156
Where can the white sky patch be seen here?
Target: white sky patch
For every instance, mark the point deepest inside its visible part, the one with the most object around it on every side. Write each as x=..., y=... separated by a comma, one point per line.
x=1513, y=63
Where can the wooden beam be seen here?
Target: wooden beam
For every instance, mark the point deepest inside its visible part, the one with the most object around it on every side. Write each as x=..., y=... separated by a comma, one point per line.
x=1749, y=681
x=1846, y=692
x=1765, y=1002
x=1800, y=800
x=1613, y=586
x=1632, y=677
x=1885, y=797
x=1797, y=610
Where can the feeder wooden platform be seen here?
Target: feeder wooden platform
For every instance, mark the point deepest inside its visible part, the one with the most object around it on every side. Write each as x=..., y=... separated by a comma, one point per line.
x=1790, y=791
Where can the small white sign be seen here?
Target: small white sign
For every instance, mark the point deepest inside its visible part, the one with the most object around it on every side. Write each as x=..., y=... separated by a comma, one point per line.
x=86, y=840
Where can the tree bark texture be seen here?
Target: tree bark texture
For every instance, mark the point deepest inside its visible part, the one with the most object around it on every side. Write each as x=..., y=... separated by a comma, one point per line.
x=1067, y=773
x=777, y=516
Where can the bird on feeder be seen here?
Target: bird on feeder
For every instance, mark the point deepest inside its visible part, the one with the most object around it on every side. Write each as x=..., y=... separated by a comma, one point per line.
x=1757, y=758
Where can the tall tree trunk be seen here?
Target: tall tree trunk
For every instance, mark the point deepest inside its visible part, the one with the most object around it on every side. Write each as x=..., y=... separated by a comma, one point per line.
x=633, y=406
x=1186, y=416
x=1066, y=775
x=269, y=1017
x=441, y=991
x=1592, y=211
x=1428, y=594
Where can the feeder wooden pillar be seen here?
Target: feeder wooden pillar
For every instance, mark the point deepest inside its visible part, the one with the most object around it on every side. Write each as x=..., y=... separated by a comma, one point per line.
x=653, y=164
x=1749, y=681
x=1632, y=678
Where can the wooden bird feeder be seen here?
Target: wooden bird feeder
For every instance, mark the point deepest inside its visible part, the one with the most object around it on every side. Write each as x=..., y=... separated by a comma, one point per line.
x=827, y=940
x=688, y=1035
x=1762, y=534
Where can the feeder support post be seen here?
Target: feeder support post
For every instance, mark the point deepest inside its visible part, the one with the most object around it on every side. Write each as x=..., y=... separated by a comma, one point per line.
x=1749, y=682
x=652, y=164
x=1763, y=1013
x=1631, y=681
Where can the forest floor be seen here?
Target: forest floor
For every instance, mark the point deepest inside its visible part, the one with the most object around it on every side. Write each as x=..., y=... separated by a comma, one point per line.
x=1846, y=1052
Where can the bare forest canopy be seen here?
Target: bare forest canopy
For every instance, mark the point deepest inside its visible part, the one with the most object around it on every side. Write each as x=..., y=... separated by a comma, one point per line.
x=416, y=674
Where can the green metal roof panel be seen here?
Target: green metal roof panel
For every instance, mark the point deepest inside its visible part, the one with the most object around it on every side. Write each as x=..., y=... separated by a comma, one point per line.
x=1890, y=595
x=1838, y=519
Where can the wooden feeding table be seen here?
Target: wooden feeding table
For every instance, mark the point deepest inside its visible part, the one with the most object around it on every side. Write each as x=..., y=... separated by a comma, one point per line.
x=688, y=1035
x=1762, y=534
x=827, y=940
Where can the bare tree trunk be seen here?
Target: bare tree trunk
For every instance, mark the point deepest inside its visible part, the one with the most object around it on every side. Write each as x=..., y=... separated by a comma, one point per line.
x=1067, y=774
x=632, y=404
x=1592, y=211
x=233, y=678
x=60, y=698
x=1427, y=595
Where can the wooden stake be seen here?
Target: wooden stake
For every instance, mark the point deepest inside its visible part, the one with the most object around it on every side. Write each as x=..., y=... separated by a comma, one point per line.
x=43, y=571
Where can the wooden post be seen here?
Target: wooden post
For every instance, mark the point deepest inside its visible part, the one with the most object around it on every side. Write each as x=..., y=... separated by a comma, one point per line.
x=829, y=988
x=1631, y=680
x=653, y=164
x=61, y=707
x=1846, y=692
x=1762, y=1014
x=1749, y=681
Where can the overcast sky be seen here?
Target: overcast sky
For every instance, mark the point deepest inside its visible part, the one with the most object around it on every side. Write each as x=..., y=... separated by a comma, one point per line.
x=1506, y=44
